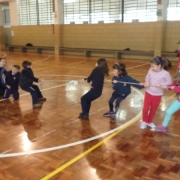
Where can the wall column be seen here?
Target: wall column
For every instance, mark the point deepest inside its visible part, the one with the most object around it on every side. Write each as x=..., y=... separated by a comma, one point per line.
x=2, y=45
x=58, y=24
x=160, y=27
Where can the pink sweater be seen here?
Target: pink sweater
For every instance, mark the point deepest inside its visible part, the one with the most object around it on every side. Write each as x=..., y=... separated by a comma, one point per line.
x=176, y=89
x=161, y=77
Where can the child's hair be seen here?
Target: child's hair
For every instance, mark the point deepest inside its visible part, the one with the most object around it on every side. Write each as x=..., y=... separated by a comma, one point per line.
x=121, y=68
x=165, y=63
x=25, y=64
x=2, y=59
x=17, y=67
x=176, y=78
x=103, y=66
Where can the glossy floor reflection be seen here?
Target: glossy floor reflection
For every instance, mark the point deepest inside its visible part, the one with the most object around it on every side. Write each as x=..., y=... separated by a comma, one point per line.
x=132, y=154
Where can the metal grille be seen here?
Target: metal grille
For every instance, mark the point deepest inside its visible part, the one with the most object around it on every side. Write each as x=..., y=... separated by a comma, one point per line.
x=109, y=11
x=173, y=10
x=6, y=17
x=140, y=10
x=76, y=11
x=35, y=12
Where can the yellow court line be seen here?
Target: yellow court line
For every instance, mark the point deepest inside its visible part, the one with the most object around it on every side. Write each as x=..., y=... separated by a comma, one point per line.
x=96, y=146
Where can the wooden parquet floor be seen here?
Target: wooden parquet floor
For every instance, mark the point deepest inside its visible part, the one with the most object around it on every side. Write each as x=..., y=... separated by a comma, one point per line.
x=26, y=134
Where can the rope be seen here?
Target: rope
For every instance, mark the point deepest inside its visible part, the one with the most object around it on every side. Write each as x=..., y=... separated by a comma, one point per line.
x=122, y=82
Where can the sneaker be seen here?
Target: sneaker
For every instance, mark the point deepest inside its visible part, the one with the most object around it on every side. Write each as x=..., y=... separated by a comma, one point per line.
x=37, y=106
x=161, y=128
x=113, y=117
x=42, y=99
x=108, y=114
x=151, y=125
x=83, y=117
x=143, y=125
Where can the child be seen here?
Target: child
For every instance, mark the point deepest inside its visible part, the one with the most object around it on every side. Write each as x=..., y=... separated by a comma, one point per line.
x=12, y=83
x=121, y=90
x=175, y=106
x=97, y=78
x=178, y=54
x=26, y=83
x=157, y=76
x=2, y=76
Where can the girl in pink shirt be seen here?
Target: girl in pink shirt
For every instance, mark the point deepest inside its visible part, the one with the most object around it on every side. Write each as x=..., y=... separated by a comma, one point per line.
x=157, y=76
x=175, y=106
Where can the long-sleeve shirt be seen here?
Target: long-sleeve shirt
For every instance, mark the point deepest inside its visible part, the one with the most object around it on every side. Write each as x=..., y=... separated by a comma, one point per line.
x=176, y=89
x=97, y=79
x=161, y=77
x=12, y=80
x=27, y=78
x=2, y=76
x=124, y=89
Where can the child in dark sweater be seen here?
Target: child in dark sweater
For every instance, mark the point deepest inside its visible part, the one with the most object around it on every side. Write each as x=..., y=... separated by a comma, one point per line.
x=121, y=90
x=2, y=76
x=12, y=83
x=26, y=83
x=97, y=79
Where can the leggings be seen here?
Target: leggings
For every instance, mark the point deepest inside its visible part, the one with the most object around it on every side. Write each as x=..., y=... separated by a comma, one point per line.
x=175, y=106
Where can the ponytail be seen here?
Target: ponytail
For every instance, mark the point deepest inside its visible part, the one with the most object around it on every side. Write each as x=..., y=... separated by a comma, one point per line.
x=165, y=63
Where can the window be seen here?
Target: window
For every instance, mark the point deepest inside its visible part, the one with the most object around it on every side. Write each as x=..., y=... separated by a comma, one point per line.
x=35, y=12
x=76, y=11
x=109, y=11
x=173, y=10
x=6, y=17
x=141, y=10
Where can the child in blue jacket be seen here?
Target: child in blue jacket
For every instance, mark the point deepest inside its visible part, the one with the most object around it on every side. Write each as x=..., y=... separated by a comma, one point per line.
x=121, y=90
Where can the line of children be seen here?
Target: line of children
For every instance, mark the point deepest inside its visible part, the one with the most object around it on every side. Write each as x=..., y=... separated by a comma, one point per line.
x=157, y=79
x=175, y=106
x=11, y=80
x=121, y=91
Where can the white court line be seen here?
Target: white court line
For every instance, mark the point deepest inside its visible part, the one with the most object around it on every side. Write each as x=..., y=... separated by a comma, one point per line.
x=25, y=94
x=44, y=135
x=42, y=59
x=74, y=143
x=4, y=55
x=6, y=151
x=138, y=66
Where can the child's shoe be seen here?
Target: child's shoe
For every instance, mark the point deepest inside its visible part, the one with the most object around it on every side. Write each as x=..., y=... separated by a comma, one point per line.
x=42, y=99
x=108, y=114
x=113, y=117
x=143, y=125
x=161, y=128
x=151, y=125
x=83, y=117
x=37, y=106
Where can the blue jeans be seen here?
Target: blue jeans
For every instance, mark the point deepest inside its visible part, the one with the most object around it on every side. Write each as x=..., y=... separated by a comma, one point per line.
x=175, y=106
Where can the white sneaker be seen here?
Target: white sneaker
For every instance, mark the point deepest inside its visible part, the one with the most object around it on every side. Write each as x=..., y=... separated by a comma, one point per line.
x=151, y=125
x=143, y=125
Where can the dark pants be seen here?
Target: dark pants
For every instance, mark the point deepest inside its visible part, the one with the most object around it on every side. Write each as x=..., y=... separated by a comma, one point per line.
x=2, y=88
x=34, y=91
x=118, y=99
x=14, y=92
x=86, y=101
